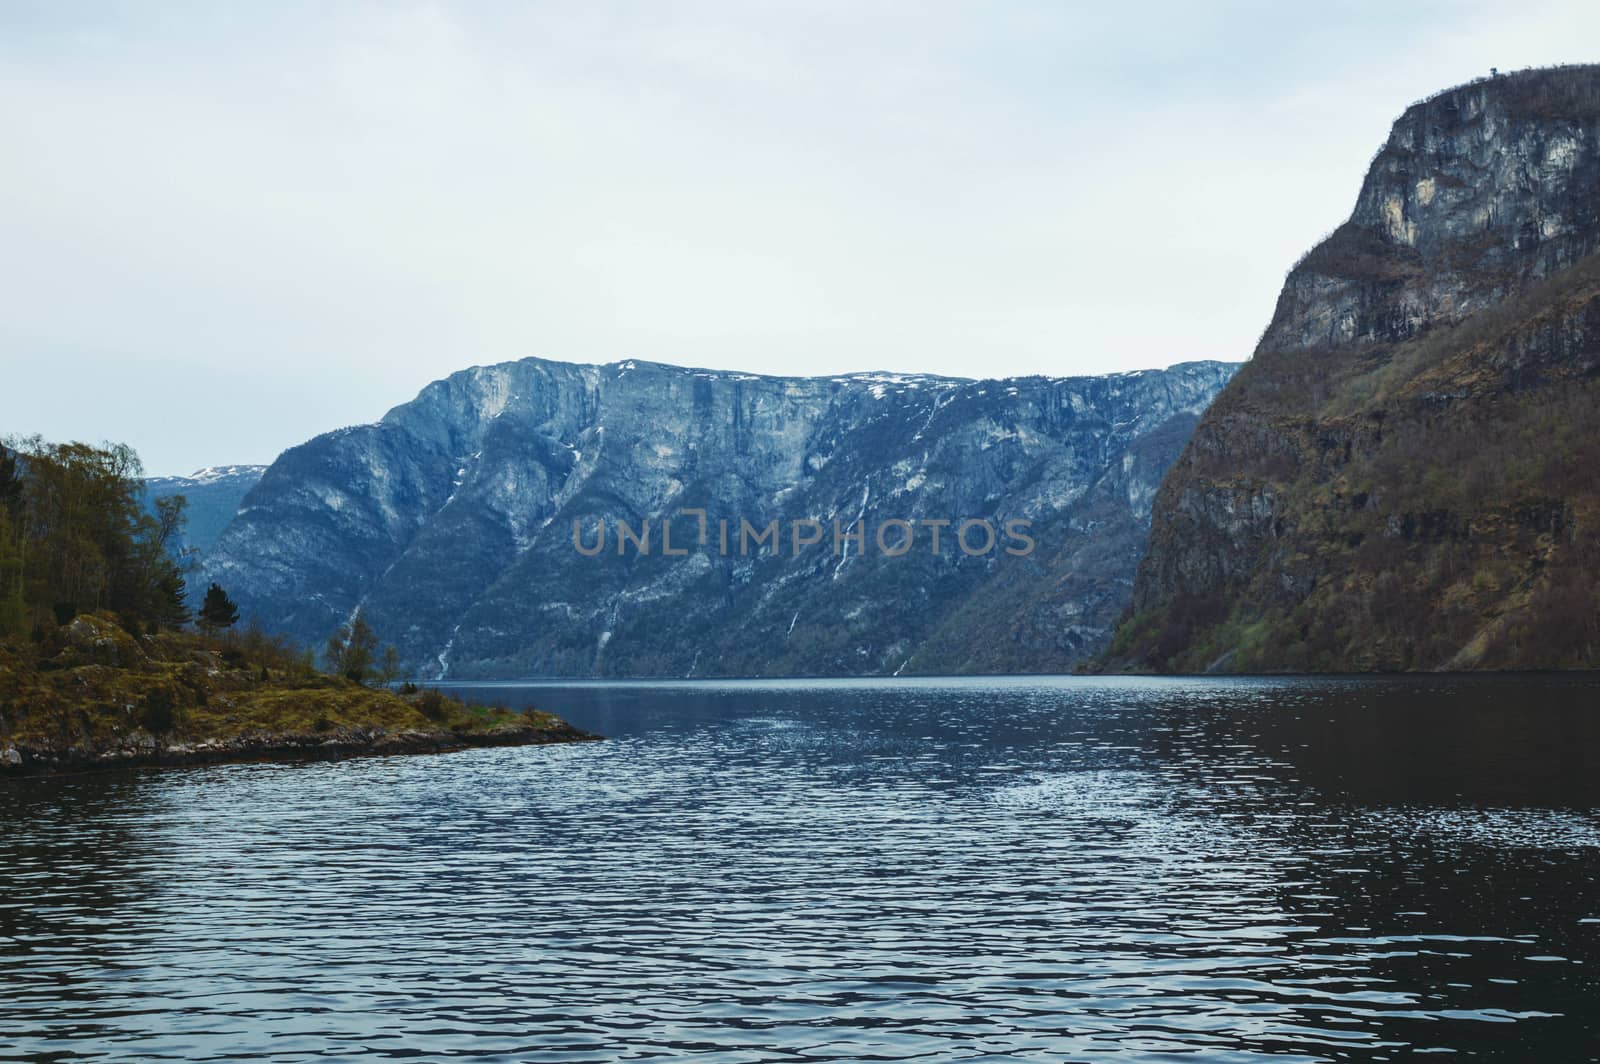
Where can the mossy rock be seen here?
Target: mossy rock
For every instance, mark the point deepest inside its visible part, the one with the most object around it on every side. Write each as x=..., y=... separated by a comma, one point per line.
x=96, y=639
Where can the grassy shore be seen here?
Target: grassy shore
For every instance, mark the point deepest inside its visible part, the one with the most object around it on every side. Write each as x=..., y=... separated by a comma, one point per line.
x=90, y=694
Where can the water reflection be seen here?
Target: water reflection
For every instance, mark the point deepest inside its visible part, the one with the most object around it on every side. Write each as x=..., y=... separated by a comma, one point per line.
x=950, y=870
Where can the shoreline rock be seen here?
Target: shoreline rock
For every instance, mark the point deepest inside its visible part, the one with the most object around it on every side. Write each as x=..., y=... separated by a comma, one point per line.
x=143, y=750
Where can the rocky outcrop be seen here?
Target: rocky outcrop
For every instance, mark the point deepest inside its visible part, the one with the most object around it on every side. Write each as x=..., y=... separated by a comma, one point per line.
x=1396, y=479
x=450, y=523
x=1477, y=192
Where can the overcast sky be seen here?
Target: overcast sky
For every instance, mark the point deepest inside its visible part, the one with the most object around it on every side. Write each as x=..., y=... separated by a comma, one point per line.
x=225, y=228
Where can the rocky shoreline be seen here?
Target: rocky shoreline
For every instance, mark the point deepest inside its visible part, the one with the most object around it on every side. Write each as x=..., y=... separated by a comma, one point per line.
x=142, y=750
x=90, y=695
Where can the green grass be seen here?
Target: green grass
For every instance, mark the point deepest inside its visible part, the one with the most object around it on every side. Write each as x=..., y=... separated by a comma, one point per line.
x=92, y=682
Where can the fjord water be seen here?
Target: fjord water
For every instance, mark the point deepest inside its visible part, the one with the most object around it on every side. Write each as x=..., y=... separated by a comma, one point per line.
x=1072, y=869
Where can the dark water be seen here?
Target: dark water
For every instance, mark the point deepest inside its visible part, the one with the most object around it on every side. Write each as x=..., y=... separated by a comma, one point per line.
x=933, y=871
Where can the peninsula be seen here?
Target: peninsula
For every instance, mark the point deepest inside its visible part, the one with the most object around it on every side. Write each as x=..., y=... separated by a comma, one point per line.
x=104, y=663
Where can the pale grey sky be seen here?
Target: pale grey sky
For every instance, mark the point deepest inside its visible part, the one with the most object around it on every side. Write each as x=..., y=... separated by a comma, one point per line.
x=225, y=228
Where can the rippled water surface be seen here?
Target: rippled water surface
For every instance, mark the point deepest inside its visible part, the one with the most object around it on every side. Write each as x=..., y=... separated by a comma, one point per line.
x=1162, y=870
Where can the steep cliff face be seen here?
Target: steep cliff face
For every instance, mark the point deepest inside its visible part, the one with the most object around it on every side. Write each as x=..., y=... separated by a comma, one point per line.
x=213, y=495
x=450, y=522
x=1403, y=475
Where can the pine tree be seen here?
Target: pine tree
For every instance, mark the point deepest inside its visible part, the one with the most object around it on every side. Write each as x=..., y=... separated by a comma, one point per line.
x=218, y=610
x=171, y=606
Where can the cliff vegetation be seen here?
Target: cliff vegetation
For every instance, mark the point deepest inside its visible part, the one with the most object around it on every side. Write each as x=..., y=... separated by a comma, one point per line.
x=1404, y=476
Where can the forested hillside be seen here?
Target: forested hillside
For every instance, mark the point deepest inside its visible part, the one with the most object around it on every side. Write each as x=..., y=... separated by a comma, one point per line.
x=75, y=537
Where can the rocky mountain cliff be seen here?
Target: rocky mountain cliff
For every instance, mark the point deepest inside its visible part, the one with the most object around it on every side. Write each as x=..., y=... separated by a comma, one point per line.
x=450, y=523
x=1404, y=476
x=213, y=495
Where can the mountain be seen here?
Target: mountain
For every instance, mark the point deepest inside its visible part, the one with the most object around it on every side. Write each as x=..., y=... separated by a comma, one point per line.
x=1403, y=476
x=213, y=495
x=450, y=522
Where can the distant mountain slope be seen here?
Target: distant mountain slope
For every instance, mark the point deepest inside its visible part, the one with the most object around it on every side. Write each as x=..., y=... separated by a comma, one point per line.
x=1405, y=475
x=213, y=496
x=450, y=522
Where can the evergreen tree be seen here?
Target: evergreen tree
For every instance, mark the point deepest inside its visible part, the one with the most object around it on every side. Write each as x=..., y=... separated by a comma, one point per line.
x=171, y=607
x=158, y=590
x=217, y=611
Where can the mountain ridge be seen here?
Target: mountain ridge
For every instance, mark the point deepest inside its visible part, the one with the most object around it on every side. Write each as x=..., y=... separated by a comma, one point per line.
x=213, y=495
x=436, y=519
